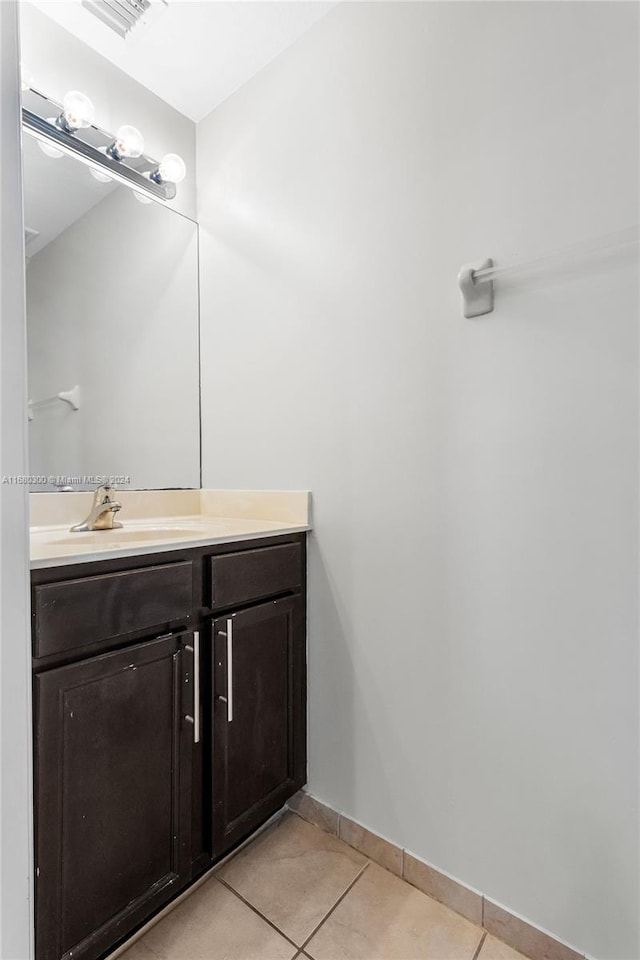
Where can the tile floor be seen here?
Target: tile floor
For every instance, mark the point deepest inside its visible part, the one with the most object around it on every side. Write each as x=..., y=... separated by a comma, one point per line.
x=296, y=891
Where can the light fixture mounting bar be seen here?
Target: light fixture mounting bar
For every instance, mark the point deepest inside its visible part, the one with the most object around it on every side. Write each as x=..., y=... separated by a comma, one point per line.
x=90, y=144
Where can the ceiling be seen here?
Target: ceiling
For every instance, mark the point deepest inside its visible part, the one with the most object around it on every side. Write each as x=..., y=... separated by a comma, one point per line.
x=197, y=52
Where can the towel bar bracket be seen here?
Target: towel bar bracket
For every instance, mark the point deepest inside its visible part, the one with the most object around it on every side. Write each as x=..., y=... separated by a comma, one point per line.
x=477, y=298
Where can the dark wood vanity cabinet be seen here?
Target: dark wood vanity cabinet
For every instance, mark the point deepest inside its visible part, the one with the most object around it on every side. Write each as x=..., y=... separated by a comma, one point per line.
x=149, y=763
x=259, y=716
x=113, y=794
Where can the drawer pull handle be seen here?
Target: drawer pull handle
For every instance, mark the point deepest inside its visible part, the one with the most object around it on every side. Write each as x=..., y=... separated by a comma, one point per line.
x=195, y=720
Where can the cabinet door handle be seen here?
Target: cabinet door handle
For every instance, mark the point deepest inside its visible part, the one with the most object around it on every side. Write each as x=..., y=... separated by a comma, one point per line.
x=195, y=719
x=229, y=697
x=229, y=670
x=196, y=686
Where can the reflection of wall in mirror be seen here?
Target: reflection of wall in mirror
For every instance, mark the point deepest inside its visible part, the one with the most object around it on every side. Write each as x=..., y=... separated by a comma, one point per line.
x=112, y=304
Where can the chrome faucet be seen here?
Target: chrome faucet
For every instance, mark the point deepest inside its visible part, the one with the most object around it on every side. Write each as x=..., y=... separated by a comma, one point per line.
x=103, y=511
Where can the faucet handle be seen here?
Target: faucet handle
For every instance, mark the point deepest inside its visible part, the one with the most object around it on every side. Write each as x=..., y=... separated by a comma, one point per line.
x=103, y=493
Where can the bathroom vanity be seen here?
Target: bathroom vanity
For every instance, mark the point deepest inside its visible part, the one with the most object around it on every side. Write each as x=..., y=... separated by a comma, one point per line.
x=169, y=723
x=169, y=669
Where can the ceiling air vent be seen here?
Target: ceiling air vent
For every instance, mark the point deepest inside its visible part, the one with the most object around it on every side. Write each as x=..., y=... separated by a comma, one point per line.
x=126, y=17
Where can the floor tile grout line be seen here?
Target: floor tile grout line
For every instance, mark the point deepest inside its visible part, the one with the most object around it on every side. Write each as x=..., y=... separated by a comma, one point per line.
x=480, y=945
x=261, y=915
x=210, y=874
x=156, y=956
x=299, y=950
x=484, y=900
x=336, y=905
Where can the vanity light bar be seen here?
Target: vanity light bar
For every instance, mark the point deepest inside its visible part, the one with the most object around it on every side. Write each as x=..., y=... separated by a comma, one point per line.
x=91, y=146
x=93, y=164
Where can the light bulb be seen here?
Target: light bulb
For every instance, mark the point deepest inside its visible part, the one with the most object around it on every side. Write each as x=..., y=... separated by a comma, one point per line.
x=141, y=198
x=99, y=175
x=129, y=142
x=171, y=168
x=77, y=112
x=49, y=150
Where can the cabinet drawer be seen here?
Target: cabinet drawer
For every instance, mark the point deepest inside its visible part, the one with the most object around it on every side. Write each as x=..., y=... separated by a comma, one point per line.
x=253, y=574
x=76, y=613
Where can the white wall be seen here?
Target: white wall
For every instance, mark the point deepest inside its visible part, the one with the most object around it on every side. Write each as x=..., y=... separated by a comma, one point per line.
x=58, y=62
x=131, y=346
x=15, y=650
x=473, y=571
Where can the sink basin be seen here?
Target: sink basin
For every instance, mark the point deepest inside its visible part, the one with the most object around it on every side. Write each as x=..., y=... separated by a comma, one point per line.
x=130, y=535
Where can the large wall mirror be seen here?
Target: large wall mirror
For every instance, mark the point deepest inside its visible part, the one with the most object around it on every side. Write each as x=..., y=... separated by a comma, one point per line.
x=112, y=325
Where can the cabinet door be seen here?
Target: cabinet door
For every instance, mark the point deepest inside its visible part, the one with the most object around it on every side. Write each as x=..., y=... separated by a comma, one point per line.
x=259, y=716
x=112, y=794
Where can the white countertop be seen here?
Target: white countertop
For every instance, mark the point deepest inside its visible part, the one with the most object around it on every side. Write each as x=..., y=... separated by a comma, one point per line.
x=54, y=545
